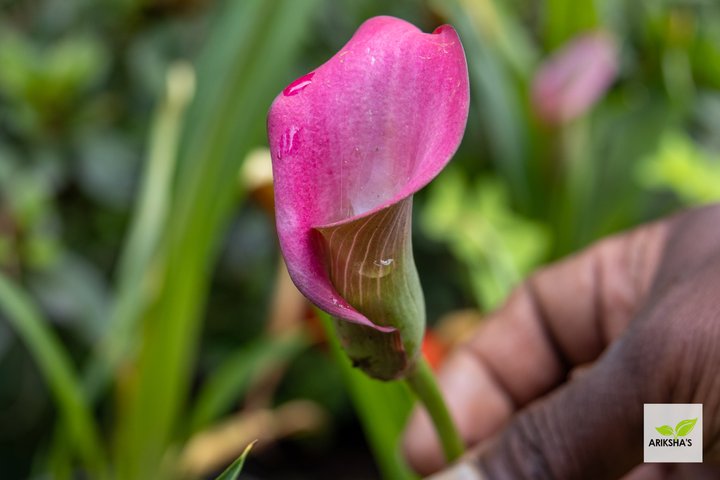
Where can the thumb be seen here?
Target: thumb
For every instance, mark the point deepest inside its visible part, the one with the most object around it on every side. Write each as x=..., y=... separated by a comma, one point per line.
x=589, y=428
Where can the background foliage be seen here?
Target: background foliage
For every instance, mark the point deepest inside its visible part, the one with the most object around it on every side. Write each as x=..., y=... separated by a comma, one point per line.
x=145, y=331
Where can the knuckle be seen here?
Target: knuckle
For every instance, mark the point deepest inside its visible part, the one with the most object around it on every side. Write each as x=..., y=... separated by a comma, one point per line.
x=678, y=336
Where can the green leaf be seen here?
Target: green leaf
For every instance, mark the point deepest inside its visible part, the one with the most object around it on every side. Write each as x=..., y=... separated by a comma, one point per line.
x=567, y=18
x=476, y=220
x=684, y=427
x=233, y=471
x=665, y=430
x=139, y=256
x=54, y=364
x=244, y=64
x=138, y=259
x=681, y=167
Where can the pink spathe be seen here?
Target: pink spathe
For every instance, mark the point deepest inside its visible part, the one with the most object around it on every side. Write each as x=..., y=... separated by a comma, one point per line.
x=364, y=131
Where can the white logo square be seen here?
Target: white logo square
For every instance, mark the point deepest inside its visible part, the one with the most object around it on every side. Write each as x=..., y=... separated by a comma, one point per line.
x=673, y=433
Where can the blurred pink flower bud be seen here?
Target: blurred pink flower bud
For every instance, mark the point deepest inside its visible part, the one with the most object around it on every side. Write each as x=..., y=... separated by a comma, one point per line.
x=574, y=78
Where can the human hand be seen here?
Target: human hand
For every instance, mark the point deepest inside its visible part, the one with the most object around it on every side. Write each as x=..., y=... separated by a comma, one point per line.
x=553, y=384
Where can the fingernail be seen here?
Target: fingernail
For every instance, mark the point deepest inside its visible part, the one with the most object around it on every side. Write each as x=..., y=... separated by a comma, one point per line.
x=459, y=471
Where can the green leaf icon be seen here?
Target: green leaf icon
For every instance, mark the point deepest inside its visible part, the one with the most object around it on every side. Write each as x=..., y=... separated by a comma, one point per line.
x=685, y=427
x=665, y=430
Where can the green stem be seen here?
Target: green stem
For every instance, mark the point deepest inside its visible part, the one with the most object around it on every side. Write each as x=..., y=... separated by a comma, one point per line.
x=422, y=381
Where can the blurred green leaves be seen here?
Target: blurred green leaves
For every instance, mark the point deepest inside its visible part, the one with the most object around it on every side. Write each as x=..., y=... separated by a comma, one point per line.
x=564, y=19
x=53, y=362
x=682, y=168
x=27, y=193
x=230, y=380
x=174, y=234
x=499, y=77
x=496, y=246
x=44, y=82
x=239, y=72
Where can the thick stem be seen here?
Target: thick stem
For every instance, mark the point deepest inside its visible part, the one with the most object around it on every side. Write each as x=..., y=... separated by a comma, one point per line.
x=422, y=381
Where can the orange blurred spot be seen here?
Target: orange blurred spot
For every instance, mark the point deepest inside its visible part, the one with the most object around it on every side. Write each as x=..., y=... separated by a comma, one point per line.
x=433, y=349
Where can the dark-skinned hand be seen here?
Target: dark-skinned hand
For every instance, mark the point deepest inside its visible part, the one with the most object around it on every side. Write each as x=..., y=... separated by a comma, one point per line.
x=553, y=384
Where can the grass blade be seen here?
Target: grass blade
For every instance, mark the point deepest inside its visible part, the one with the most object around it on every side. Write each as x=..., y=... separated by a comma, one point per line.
x=148, y=223
x=55, y=366
x=247, y=55
x=233, y=471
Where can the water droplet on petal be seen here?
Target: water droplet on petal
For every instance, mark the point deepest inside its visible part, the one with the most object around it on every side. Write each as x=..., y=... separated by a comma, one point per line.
x=289, y=141
x=378, y=268
x=337, y=303
x=298, y=85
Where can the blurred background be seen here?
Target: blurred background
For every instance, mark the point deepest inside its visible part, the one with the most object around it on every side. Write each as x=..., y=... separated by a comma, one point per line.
x=147, y=326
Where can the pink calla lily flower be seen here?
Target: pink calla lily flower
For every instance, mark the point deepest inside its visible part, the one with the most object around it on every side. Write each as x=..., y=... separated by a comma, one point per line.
x=574, y=78
x=351, y=142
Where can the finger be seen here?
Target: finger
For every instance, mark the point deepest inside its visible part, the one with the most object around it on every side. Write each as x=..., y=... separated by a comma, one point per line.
x=565, y=315
x=694, y=238
x=673, y=471
x=588, y=428
x=468, y=471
